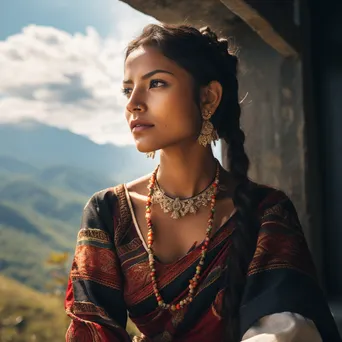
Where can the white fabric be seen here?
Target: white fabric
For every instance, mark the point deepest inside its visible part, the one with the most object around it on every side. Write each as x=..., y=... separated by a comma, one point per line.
x=283, y=327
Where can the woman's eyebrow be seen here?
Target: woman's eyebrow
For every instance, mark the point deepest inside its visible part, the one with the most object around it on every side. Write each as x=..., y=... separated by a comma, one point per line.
x=150, y=74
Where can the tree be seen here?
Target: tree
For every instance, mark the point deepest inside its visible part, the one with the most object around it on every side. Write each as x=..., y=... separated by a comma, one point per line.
x=58, y=262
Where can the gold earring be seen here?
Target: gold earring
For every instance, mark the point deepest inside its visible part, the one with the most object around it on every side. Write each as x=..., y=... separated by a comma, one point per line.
x=150, y=154
x=208, y=133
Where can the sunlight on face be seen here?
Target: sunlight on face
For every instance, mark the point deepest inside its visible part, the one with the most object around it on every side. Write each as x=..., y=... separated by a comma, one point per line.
x=160, y=108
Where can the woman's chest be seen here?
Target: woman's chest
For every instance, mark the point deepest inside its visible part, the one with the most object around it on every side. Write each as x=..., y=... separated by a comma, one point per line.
x=174, y=238
x=172, y=279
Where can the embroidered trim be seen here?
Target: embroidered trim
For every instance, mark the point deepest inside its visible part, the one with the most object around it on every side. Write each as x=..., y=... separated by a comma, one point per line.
x=123, y=218
x=137, y=228
x=97, y=264
x=93, y=234
x=216, y=306
x=275, y=210
x=130, y=247
x=135, y=257
x=212, y=276
x=88, y=308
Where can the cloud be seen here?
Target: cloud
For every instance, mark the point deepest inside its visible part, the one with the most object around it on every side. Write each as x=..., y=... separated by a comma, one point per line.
x=127, y=22
x=69, y=81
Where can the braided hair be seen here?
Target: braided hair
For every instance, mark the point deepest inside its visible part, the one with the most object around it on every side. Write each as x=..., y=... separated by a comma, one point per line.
x=207, y=59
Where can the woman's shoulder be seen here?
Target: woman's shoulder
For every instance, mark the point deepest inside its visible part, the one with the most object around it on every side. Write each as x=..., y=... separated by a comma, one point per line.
x=276, y=207
x=270, y=198
x=104, y=197
x=139, y=185
x=262, y=192
x=111, y=193
x=108, y=199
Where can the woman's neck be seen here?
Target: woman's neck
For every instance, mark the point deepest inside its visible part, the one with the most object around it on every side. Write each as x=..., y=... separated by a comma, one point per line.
x=186, y=174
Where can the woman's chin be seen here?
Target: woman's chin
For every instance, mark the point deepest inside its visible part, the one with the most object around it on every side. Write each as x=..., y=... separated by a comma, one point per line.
x=144, y=148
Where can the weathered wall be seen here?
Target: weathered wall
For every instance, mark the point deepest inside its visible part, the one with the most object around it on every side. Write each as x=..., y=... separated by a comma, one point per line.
x=273, y=120
x=272, y=112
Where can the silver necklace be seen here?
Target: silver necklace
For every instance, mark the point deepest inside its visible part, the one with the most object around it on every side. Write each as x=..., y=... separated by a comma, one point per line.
x=180, y=207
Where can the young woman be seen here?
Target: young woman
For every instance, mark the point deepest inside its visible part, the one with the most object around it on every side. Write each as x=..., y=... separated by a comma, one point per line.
x=192, y=252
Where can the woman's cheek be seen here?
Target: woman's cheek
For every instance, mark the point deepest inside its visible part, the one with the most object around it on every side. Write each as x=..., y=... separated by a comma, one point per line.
x=164, y=101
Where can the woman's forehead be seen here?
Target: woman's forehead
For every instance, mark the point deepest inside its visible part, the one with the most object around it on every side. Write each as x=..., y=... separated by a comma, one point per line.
x=145, y=59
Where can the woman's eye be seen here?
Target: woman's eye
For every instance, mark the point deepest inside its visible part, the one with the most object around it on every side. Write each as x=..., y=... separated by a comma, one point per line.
x=153, y=84
x=157, y=83
x=126, y=91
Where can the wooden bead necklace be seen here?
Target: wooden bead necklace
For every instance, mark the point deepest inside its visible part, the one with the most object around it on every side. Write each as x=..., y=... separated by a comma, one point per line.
x=193, y=283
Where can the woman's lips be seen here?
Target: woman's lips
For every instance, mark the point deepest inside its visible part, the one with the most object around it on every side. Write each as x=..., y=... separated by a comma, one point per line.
x=140, y=128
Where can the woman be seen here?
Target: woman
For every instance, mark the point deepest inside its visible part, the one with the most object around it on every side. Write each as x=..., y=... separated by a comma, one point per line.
x=193, y=252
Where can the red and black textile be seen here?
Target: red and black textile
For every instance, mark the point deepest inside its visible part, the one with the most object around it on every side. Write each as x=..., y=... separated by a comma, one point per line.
x=110, y=277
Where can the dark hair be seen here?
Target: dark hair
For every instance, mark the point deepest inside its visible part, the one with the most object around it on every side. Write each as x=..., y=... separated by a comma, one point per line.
x=207, y=59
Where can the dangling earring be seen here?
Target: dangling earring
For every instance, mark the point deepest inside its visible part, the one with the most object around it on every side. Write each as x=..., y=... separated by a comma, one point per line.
x=208, y=133
x=150, y=154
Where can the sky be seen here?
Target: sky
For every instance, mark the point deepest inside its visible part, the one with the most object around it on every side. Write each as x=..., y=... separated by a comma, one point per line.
x=61, y=63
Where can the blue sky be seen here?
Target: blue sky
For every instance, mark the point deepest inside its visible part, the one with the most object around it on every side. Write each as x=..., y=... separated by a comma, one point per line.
x=70, y=16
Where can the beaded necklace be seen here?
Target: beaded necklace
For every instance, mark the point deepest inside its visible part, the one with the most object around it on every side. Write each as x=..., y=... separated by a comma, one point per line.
x=150, y=238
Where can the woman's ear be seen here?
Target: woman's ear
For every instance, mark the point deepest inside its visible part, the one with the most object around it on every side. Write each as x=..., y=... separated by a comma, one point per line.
x=211, y=96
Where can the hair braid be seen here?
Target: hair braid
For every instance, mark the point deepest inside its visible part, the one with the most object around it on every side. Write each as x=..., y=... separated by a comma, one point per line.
x=243, y=240
x=245, y=236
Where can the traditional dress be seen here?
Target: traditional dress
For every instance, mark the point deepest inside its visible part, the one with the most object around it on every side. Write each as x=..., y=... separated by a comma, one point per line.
x=110, y=277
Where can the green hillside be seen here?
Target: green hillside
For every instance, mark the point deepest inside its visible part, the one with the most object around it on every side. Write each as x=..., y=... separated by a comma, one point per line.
x=27, y=315
x=38, y=217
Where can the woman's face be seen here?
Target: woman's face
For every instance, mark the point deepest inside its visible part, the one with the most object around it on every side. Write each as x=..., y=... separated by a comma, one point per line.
x=160, y=109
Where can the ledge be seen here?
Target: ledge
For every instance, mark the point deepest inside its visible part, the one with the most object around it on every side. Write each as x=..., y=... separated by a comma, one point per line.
x=262, y=25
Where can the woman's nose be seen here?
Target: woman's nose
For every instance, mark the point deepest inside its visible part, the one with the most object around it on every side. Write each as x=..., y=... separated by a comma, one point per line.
x=135, y=107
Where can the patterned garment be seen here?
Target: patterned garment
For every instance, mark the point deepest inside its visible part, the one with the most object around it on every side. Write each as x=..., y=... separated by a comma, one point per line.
x=110, y=277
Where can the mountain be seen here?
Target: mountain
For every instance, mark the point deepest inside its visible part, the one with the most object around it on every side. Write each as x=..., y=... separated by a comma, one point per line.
x=72, y=178
x=77, y=179
x=9, y=164
x=43, y=199
x=43, y=146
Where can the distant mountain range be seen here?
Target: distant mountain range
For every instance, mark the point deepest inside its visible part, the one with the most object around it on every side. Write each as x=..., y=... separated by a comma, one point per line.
x=39, y=145
x=46, y=177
